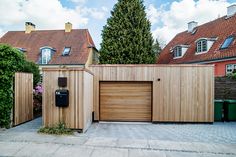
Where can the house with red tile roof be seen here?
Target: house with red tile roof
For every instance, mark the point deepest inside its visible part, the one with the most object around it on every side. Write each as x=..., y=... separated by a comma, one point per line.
x=54, y=48
x=211, y=43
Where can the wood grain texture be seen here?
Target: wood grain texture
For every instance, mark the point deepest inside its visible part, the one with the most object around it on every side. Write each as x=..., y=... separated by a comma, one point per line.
x=225, y=88
x=197, y=94
x=185, y=93
x=23, y=97
x=78, y=114
x=126, y=101
x=166, y=95
x=88, y=100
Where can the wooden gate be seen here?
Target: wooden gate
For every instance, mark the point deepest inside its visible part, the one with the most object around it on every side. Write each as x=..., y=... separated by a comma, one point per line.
x=23, y=93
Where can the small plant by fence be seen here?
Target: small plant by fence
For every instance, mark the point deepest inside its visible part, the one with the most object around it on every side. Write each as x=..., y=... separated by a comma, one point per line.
x=37, y=105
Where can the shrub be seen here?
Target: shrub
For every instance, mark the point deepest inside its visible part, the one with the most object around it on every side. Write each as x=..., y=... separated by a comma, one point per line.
x=58, y=129
x=232, y=75
x=33, y=68
x=38, y=90
x=12, y=60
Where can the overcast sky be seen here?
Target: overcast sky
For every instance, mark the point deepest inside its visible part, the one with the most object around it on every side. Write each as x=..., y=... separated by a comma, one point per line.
x=167, y=17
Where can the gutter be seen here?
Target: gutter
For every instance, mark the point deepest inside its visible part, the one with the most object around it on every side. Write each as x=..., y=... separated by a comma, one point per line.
x=211, y=61
x=60, y=64
x=93, y=47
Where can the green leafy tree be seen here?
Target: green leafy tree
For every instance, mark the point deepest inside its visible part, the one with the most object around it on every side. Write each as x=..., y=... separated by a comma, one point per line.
x=127, y=38
x=11, y=61
x=33, y=68
x=157, y=48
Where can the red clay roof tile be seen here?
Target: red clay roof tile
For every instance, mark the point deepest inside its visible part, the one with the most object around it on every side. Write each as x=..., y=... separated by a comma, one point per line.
x=220, y=28
x=77, y=39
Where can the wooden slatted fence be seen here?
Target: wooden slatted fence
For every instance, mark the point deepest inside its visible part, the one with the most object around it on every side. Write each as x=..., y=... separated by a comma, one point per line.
x=23, y=97
x=225, y=88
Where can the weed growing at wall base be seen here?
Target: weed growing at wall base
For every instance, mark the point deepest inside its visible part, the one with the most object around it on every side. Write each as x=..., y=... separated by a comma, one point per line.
x=58, y=129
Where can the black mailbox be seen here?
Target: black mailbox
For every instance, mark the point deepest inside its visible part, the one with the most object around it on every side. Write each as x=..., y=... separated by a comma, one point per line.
x=62, y=98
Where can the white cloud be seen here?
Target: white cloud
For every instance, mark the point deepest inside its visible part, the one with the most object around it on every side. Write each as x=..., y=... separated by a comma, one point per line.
x=95, y=13
x=1, y=32
x=172, y=21
x=153, y=14
x=78, y=1
x=45, y=14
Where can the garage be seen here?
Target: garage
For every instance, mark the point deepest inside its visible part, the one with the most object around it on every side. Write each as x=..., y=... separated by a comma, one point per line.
x=126, y=101
x=130, y=93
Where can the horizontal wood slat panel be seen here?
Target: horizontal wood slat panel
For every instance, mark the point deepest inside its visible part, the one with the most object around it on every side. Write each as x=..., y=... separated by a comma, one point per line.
x=225, y=88
x=125, y=101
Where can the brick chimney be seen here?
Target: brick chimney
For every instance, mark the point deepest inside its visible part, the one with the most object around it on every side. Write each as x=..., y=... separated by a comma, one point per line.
x=231, y=10
x=29, y=27
x=68, y=27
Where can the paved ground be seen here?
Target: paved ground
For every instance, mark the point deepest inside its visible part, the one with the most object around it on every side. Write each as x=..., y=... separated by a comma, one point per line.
x=217, y=133
x=123, y=140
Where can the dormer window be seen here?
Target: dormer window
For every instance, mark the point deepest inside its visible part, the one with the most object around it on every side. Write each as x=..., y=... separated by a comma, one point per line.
x=228, y=41
x=66, y=51
x=203, y=45
x=21, y=50
x=46, y=54
x=179, y=51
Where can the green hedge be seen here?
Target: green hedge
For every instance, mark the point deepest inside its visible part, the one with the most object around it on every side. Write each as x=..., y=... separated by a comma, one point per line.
x=11, y=61
x=31, y=67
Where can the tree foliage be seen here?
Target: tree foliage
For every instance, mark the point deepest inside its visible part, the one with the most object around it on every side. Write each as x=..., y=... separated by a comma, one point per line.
x=11, y=61
x=157, y=48
x=127, y=38
x=33, y=68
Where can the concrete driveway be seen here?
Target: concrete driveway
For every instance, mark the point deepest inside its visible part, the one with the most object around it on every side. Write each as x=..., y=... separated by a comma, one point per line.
x=123, y=140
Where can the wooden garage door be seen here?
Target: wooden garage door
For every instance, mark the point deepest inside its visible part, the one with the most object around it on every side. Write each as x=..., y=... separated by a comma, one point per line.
x=126, y=101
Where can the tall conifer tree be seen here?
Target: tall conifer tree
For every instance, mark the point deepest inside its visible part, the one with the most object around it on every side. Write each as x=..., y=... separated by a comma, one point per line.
x=157, y=48
x=127, y=38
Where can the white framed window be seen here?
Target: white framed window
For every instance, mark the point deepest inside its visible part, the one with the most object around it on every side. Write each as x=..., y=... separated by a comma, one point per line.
x=202, y=46
x=177, y=52
x=66, y=51
x=230, y=68
x=46, y=55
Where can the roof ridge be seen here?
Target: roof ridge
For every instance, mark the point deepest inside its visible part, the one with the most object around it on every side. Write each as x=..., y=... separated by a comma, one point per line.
x=223, y=17
x=41, y=30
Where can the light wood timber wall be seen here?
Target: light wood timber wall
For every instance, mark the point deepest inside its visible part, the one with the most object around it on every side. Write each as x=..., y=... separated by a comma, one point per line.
x=78, y=115
x=88, y=99
x=185, y=93
x=23, y=97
